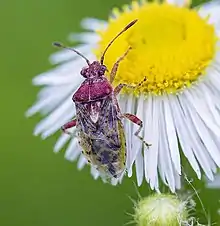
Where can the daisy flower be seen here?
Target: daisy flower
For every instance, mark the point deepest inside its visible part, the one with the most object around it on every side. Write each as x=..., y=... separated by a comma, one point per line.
x=176, y=47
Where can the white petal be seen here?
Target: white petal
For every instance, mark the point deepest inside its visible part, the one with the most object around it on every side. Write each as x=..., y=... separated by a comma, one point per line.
x=52, y=97
x=127, y=126
x=152, y=134
x=116, y=181
x=179, y=2
x=65, y=74
x=193, y=124
x=162, y=162
x=215, y=184
x=202, y=123
x=136, y=144
x=93, y=24
x=171, y=136
x=129, y=135
x=90, y=38
x=212, y=164
x=196, y=102
x=183, y=135
x=211, y=11
x=211, y=101
x=61, y=142
x=139, y=168
x=94, y=172
x=139, y=143
x=164, y=152
x=66, y=107
x=57, y=125
x=177, y=180
x=73, y=150
x=213, y=76
x=161, y=165
x=148, y=105
x=85, y=37
x=67, y=55
x=81, y=162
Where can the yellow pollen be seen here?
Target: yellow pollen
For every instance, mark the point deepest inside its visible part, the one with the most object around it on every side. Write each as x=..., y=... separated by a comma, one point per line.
x=171, y=47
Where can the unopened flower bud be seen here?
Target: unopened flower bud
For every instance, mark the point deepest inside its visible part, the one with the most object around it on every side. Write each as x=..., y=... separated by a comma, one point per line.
x=161, y=210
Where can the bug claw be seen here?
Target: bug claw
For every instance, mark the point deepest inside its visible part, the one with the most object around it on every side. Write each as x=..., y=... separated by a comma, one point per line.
x=148, y=145
x=65, y=131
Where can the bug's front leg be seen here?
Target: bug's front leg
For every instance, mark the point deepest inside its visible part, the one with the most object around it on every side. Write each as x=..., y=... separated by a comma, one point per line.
x=68, y=125
x=115, y=67
x=119, y=87
x=137, y=121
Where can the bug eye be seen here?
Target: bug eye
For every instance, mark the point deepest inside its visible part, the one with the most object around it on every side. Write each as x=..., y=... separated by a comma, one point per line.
x=102, y=69
x=83, y=72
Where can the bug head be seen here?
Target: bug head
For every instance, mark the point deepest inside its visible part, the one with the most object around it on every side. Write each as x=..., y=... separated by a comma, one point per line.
x=94, y=70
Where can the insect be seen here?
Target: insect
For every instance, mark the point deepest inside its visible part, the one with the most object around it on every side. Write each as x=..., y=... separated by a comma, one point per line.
x=98, y=119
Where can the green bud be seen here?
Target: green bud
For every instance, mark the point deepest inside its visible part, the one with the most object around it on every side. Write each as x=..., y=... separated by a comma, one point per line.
x=161, y=210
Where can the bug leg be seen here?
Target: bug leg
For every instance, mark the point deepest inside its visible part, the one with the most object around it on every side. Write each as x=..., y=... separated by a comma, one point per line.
x=115, y=67
x=137, y=121
x=119, y=87
x=68, y=125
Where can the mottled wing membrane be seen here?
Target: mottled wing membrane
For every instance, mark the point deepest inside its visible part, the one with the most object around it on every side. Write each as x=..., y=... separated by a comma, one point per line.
x=106, y=128
x=83, y=118
x=110, y=162
x=103, y=142
x=108, y=123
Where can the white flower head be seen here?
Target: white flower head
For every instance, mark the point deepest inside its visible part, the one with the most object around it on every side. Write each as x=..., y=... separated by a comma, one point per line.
x=177, y=49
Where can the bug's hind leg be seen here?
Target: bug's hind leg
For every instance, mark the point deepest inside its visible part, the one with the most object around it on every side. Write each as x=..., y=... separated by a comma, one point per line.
x=137, y=121
x=69, y=125
x=115, y=67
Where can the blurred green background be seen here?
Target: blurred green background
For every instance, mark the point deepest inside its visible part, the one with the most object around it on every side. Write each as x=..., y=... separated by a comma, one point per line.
x=38, y=187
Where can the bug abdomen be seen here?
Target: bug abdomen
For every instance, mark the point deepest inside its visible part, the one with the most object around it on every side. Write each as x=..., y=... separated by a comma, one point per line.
x=107, y=159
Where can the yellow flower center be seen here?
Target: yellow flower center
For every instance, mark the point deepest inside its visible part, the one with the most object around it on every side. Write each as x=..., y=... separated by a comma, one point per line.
x=171, y=47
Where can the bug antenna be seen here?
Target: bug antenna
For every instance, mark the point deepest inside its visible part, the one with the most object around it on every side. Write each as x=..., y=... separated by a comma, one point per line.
x=125, y=29
x=60, y=45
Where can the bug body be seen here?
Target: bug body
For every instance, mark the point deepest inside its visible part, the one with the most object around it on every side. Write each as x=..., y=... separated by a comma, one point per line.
x=98, y=121
x=98, y=117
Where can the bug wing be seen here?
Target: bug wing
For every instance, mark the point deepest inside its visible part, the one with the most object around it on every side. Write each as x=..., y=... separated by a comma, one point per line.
x=103, y=141
x=85, y=123
x=99, y=120
x=108, y=123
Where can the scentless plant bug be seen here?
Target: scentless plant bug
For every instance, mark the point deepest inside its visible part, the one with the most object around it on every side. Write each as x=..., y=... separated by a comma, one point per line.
x=98, y=119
